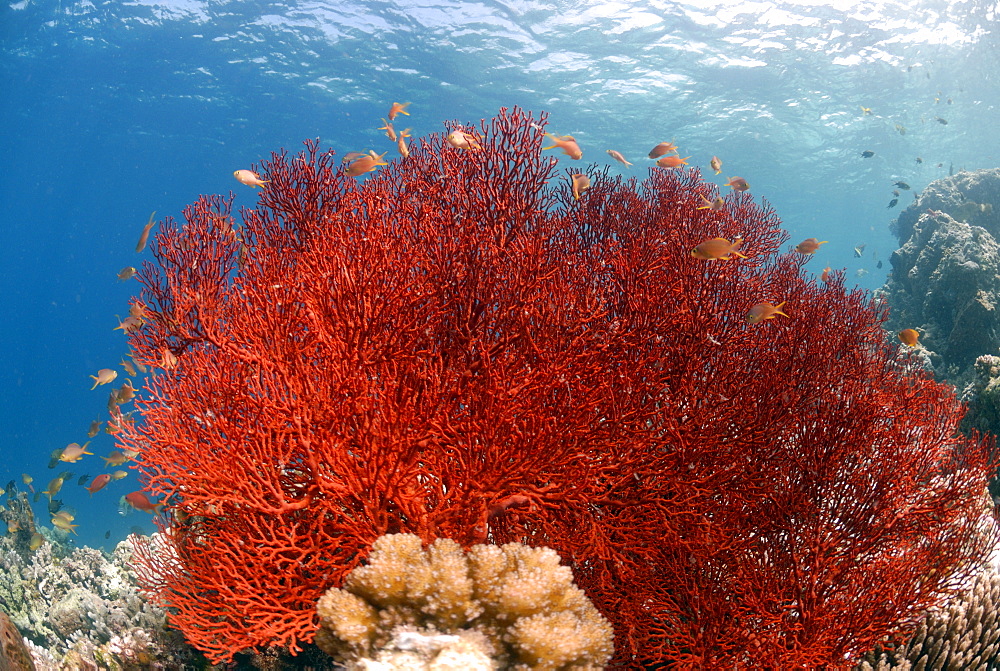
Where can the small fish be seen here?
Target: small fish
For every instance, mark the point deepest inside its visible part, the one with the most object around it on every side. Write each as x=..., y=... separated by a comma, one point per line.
x=920, y=160
x=95, y=428
x=879, y=265
x=859, y=251
x=825, y=276
x=74, y=452
x=365, y=163
x=83, y=480
x=762, y=311
x=99, y=483
x=54, y=486
x=580, y=184
x=397, y=109
x=126, y=273
x=738, y=184
x=107, y=534
x=36, y=541
x=809, y=246
x=141, y=245
x=460, y=139
x=671, y=161
x=943, y=122
x=401, y=147
x=617, y=155
x=867, y=153
x=129, y=325
x=140, y=501
x=27, y=480
x=892, y=203
x=661, y=149
x=867, y=111
x=64, y=524
x=125, y=393
x=390, y=132
x=895, y=193
x=902, y=185
x=909, y=337
x=567, y=143
x=129, y=369
x=250, y=178
x=12, y=526
x=716, y=164
x=115, y=458
x=715, y=205
x=118, y=475
x=718, y=249
x=104, y=376
x=860, y=272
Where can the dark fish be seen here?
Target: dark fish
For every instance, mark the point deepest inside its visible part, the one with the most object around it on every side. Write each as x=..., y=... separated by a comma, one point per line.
x=893, y=203
x=55, y=505
x=878, y=265
x=11, y=489
x=34, y=499
x=903, y=185
x=920, y=160
x=943, y=122
x=83, y=479
x=867, y=153
x=107, y=534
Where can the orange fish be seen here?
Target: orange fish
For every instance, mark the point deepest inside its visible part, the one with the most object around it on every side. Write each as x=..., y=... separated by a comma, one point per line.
x=141, y=245
x=567, y=143
x=762, y=311
x=250, y=178
x=909, y=337
x=460, y=139
x=580, y=184
x=714, y=205
x=738, y=184
x=98, y=483
x=365, y=163
x=809, y=246
x=672, y=161
x=397, y=109
x=74, y=452
x=716, y=164
x=103, y=376
x=140, y=501
x=390, y=132
x=718, y=248
x=617, y=155
x=661, y=149
x=825, y=276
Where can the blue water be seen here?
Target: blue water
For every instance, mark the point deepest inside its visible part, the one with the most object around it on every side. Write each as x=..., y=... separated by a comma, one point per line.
x=109, y=111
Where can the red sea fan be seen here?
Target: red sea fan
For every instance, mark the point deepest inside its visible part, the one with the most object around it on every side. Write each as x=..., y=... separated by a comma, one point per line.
x=455, y=347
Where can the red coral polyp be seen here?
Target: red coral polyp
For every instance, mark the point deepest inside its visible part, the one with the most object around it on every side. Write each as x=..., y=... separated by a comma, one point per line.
x=456, y=347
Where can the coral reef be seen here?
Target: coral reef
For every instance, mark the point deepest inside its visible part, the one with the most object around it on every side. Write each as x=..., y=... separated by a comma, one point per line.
x=457, y=347
x=945, y=277
x=81, y=609
x=965, y=634
x=507, y=607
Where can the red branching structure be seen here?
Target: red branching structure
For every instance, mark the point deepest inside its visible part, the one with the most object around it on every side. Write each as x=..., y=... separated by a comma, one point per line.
x=456, y=347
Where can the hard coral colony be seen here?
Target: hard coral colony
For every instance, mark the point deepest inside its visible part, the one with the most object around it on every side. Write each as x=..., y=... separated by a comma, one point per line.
x=453, y=348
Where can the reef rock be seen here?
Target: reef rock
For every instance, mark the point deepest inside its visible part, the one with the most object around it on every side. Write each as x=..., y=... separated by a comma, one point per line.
x=14, y=655
x=945, y=277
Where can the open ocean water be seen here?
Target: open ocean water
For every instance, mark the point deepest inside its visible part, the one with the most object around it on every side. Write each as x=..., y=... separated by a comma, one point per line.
x=111, y=110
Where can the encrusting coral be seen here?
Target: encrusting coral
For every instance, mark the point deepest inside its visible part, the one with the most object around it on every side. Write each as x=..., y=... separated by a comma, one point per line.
x=510, y=606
